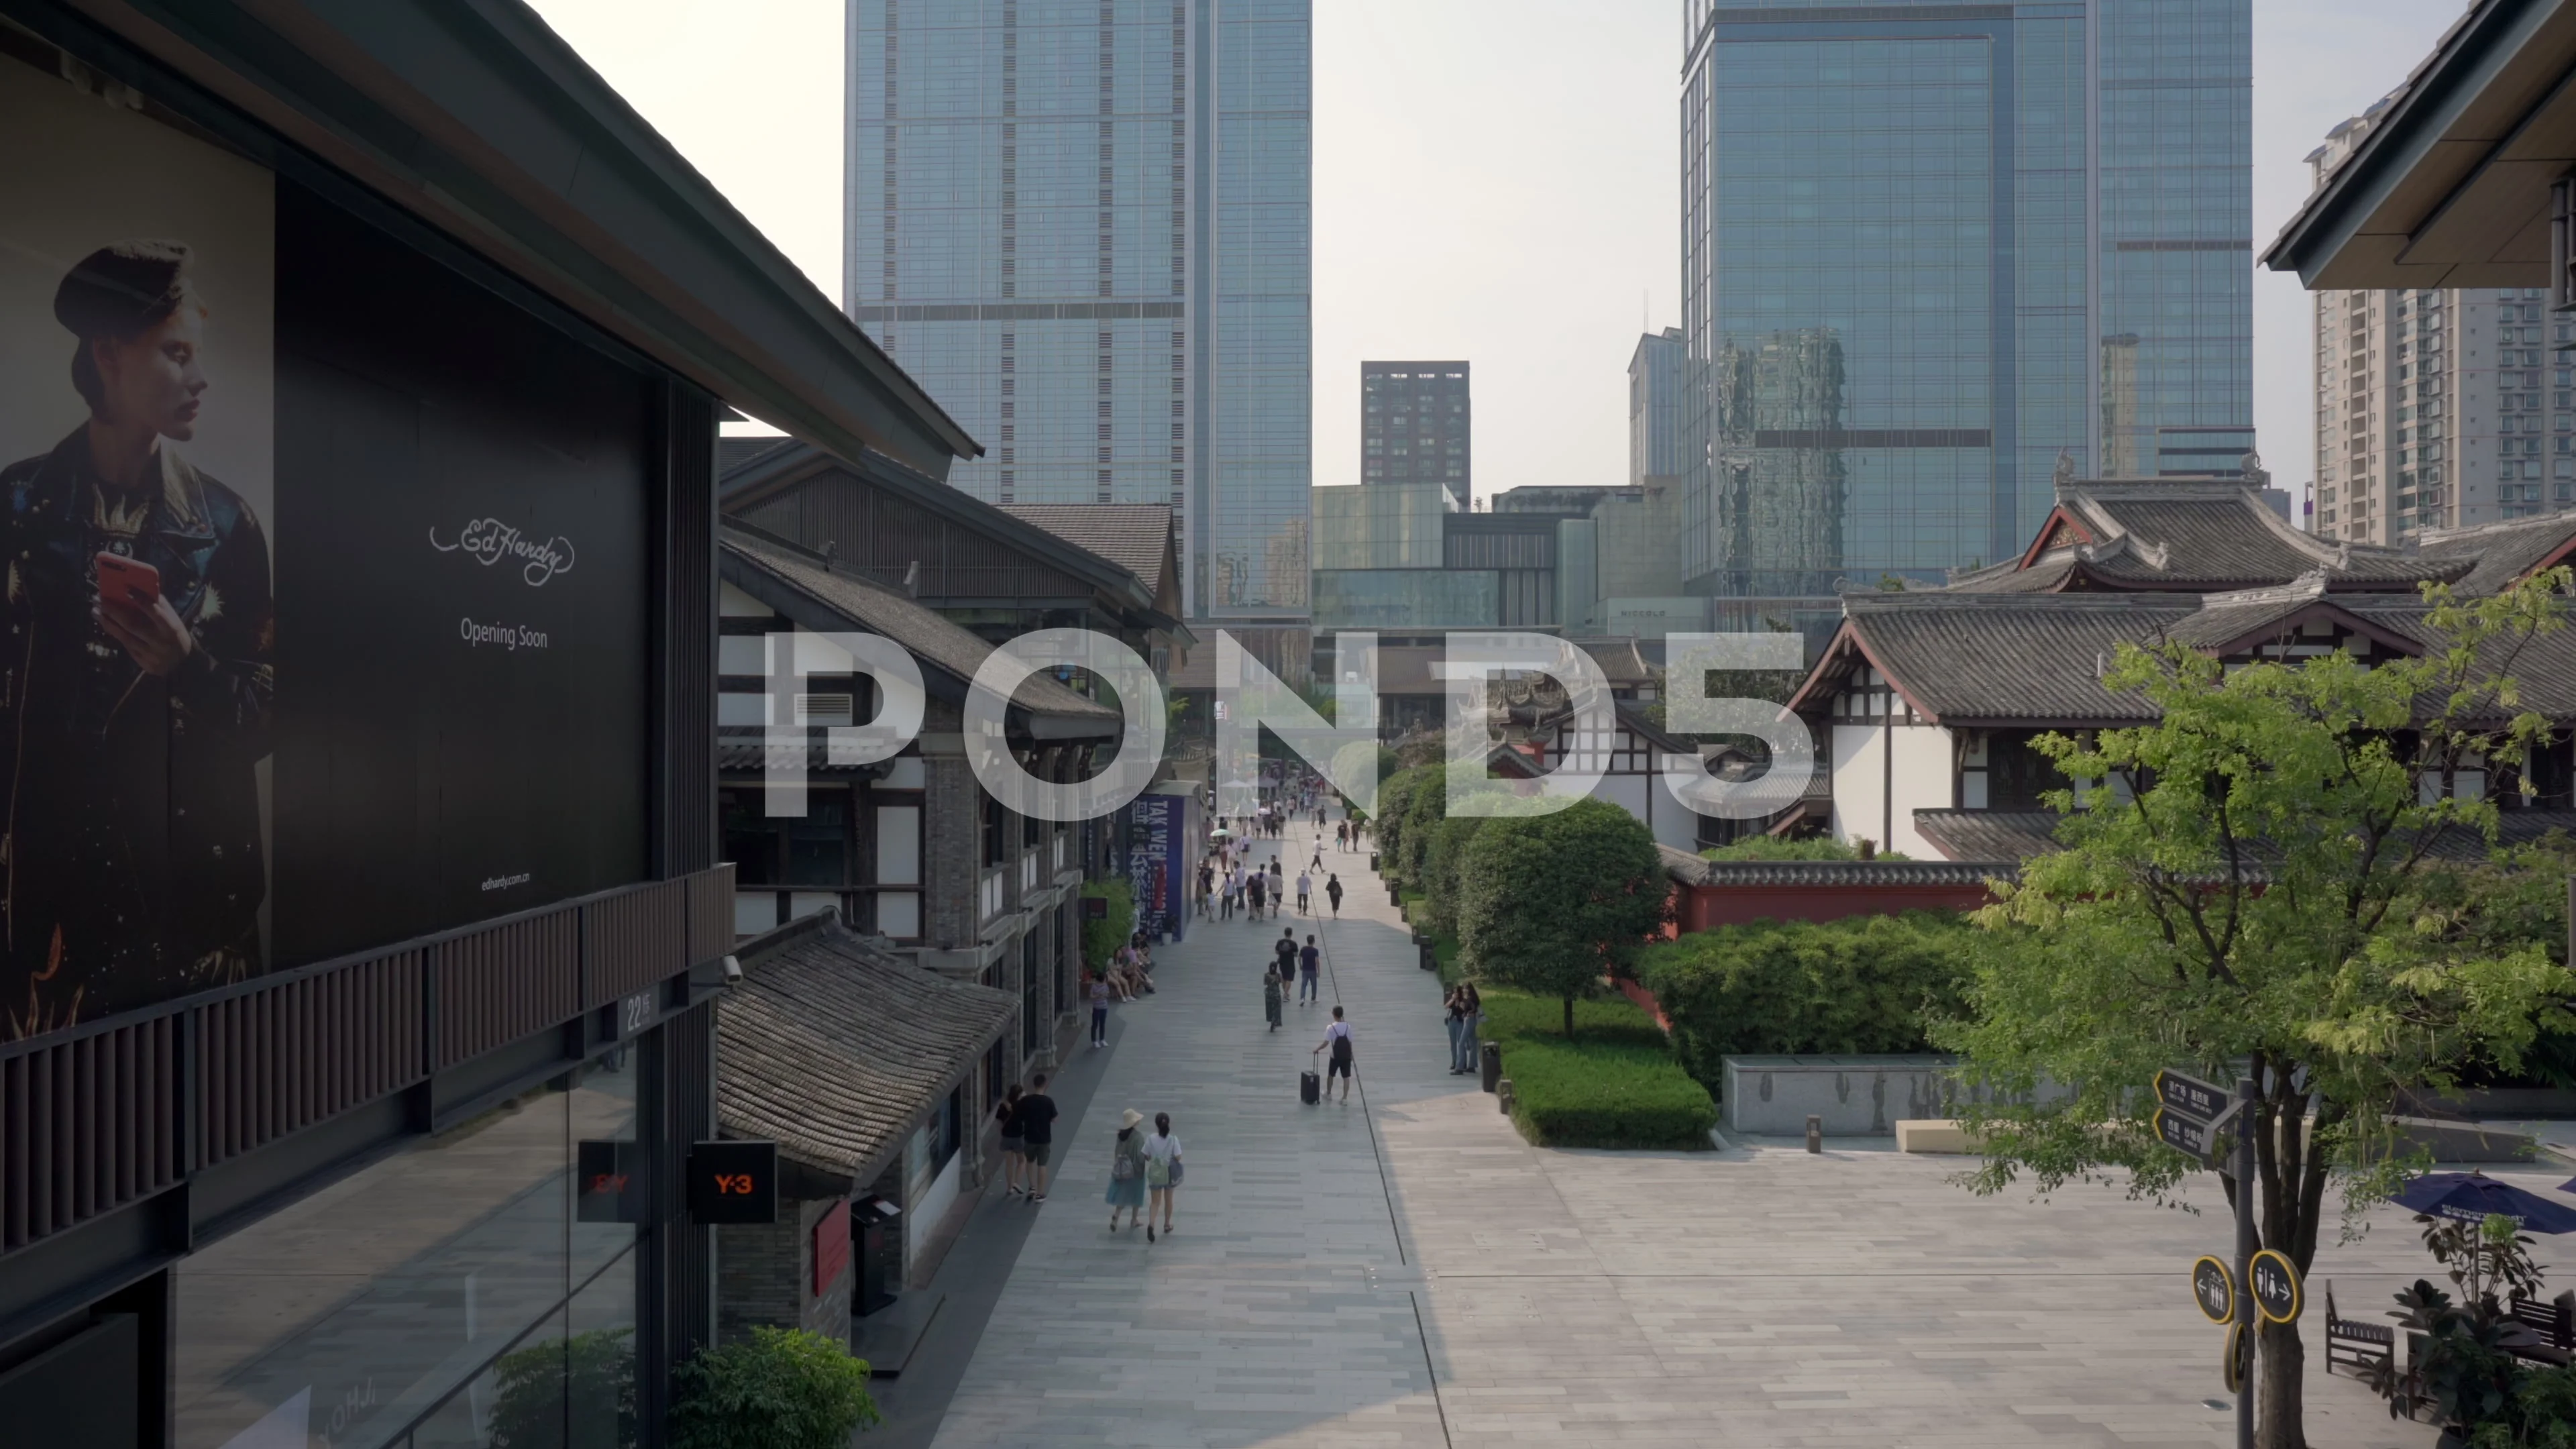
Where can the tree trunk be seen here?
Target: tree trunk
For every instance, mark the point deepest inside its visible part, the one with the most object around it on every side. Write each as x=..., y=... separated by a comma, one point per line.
x=2279, y=1370
x=1569, y=1018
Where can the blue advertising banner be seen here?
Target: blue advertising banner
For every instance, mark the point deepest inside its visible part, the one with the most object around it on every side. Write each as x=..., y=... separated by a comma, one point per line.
x=1159, y=855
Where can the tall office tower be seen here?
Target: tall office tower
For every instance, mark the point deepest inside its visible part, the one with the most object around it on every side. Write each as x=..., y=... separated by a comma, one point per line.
x=1084, y=227
x=2437, y=408
x=1654, y=407
x=1928, y=247
x=1414, y=426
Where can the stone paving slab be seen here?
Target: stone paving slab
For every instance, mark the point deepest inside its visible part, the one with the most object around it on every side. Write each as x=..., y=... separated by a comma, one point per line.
x=1406, y=1271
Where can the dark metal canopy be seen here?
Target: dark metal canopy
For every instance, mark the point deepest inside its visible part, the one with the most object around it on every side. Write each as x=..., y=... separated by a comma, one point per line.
x=2451, y=188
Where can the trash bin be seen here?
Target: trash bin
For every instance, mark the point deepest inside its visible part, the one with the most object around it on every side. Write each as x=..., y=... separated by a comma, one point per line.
x=1489, y=1058
x=1372, y=862
x=1430, y=956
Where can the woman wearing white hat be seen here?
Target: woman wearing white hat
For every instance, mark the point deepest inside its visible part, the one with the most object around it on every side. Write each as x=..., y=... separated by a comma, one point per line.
x=1127, y=1173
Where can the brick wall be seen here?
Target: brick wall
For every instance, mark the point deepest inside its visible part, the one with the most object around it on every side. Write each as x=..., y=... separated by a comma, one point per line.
x=764, y=1275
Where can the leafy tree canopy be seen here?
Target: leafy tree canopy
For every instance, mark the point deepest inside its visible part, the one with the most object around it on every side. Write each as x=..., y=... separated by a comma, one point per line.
x=1551, y=903
x=2273, y=880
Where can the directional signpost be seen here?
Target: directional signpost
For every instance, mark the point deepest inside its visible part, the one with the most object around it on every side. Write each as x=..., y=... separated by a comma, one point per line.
x=2193, y=1117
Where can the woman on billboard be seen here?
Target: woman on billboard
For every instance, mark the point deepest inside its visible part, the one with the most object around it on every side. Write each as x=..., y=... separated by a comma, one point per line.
x=135, y=674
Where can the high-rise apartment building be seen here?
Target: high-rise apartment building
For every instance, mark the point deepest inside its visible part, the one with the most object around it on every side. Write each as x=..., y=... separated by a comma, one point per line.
x=1655, y=407
x=2437, y=408
x=1084, y=226
x=1929, y=247
x=1414, y=427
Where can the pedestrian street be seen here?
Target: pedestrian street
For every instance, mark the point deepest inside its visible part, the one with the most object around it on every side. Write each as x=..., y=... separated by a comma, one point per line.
x=1406, y=1271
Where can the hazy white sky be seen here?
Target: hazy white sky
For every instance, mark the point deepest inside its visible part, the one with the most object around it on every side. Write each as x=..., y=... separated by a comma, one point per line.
x=1494, y=180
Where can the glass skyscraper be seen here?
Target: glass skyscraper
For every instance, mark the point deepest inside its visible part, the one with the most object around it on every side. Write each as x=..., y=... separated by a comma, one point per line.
x=1927, y=247
x=1084, y=226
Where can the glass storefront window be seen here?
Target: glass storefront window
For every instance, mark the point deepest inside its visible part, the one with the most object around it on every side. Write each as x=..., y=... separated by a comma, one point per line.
x=434, y=1298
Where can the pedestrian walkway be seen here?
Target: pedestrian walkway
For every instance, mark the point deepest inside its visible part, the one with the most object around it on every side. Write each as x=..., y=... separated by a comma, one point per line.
x=1282, y=1310
x=1407, y=1271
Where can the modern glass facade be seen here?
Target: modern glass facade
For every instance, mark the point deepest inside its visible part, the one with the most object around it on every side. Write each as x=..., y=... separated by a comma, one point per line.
x=1922, y=257
x=1084, y=226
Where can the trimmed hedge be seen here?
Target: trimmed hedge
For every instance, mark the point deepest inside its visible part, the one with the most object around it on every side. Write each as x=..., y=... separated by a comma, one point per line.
x=1862, y=985
x=1615, y=1085
x=1394, y=796
x=1595, y=1094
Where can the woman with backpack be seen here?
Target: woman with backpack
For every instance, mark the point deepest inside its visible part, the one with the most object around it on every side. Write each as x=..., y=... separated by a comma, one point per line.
x=1127, y=1172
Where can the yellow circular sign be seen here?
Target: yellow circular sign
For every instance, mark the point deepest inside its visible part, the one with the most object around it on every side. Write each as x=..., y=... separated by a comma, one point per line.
x=2238, y=1365
x=2274, y=1283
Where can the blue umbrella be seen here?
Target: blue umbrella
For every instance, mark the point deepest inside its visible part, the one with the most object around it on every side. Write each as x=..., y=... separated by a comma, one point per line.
x=2470, y=1197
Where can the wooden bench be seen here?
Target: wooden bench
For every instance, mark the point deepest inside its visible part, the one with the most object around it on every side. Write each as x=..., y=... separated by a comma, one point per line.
x=2355, y=1344
x=2552, y=1322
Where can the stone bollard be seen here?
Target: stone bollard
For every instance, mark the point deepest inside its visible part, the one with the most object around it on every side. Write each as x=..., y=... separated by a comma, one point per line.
x=1503, y=1095
x=1815, y=1133
x=1489, y=1057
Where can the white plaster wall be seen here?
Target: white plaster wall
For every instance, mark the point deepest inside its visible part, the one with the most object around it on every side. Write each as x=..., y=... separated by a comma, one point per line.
x=1861, y=778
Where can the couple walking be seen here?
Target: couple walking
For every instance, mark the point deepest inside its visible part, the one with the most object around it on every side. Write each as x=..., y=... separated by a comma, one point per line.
x=1144, y=1170
x=1028, y=1138
x=1290, y=963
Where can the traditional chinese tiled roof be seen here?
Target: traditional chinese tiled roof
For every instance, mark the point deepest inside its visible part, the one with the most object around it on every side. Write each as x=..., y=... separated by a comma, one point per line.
x=2017, y=835
x=2196, y=535
x=2501, y=553
x=834, y=1047
x=1687, y=869
x=931, y=637
x=1135, y=536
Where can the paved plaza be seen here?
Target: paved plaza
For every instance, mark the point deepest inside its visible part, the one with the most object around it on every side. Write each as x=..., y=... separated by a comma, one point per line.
x=1406, y=1271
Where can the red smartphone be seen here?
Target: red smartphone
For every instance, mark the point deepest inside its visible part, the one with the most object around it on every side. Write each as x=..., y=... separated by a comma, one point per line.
x=127, y=581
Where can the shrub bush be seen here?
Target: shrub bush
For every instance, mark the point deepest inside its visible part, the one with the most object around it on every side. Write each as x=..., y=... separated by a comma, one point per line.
x=779, y=1389
x=1865, y=984
x=594, y=1370
x=1616, y=1085
x=1598, y=1094
x=1101, y=939
x=1446, y=852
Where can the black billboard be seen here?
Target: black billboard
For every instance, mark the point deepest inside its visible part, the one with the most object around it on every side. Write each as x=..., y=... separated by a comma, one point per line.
x=323, y=579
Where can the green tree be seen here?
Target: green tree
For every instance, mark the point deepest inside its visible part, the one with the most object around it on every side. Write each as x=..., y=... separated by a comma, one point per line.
x=2268, y=879
x=781, y=1388
x=1551, y=903
x=1394, y=799
x=1443, y=858
x=1101, y=938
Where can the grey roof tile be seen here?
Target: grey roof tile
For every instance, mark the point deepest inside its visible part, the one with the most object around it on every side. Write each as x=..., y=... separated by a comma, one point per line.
x=834, y=1047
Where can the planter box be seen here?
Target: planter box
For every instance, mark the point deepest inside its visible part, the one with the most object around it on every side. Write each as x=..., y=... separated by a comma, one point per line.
x=1862, y=1096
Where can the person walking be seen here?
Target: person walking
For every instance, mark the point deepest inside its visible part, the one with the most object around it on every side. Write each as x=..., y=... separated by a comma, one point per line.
x=1310, y=972
x=1037, y=1135
x=1127, y=1172
x=1162, y=1173
x=1454, y=1008
x=1341, y=835
x=1228, y=889
x=1278, y=888
x=1333, y=893
x=1274, y=994
x=1472, y=1013
x=1254, y=886
x=1305, y=892
x=1099, y=1009
x=1014, y=1145
x=1284, y=952
x=1317, y=863
x=1207, y=887
x=1337, y=1039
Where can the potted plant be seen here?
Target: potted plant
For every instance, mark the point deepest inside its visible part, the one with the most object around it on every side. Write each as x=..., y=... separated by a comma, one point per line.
x=2457, y=1363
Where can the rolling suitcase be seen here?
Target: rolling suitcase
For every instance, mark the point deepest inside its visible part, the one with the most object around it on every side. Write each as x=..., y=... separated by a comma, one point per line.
x=1310, y=1088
